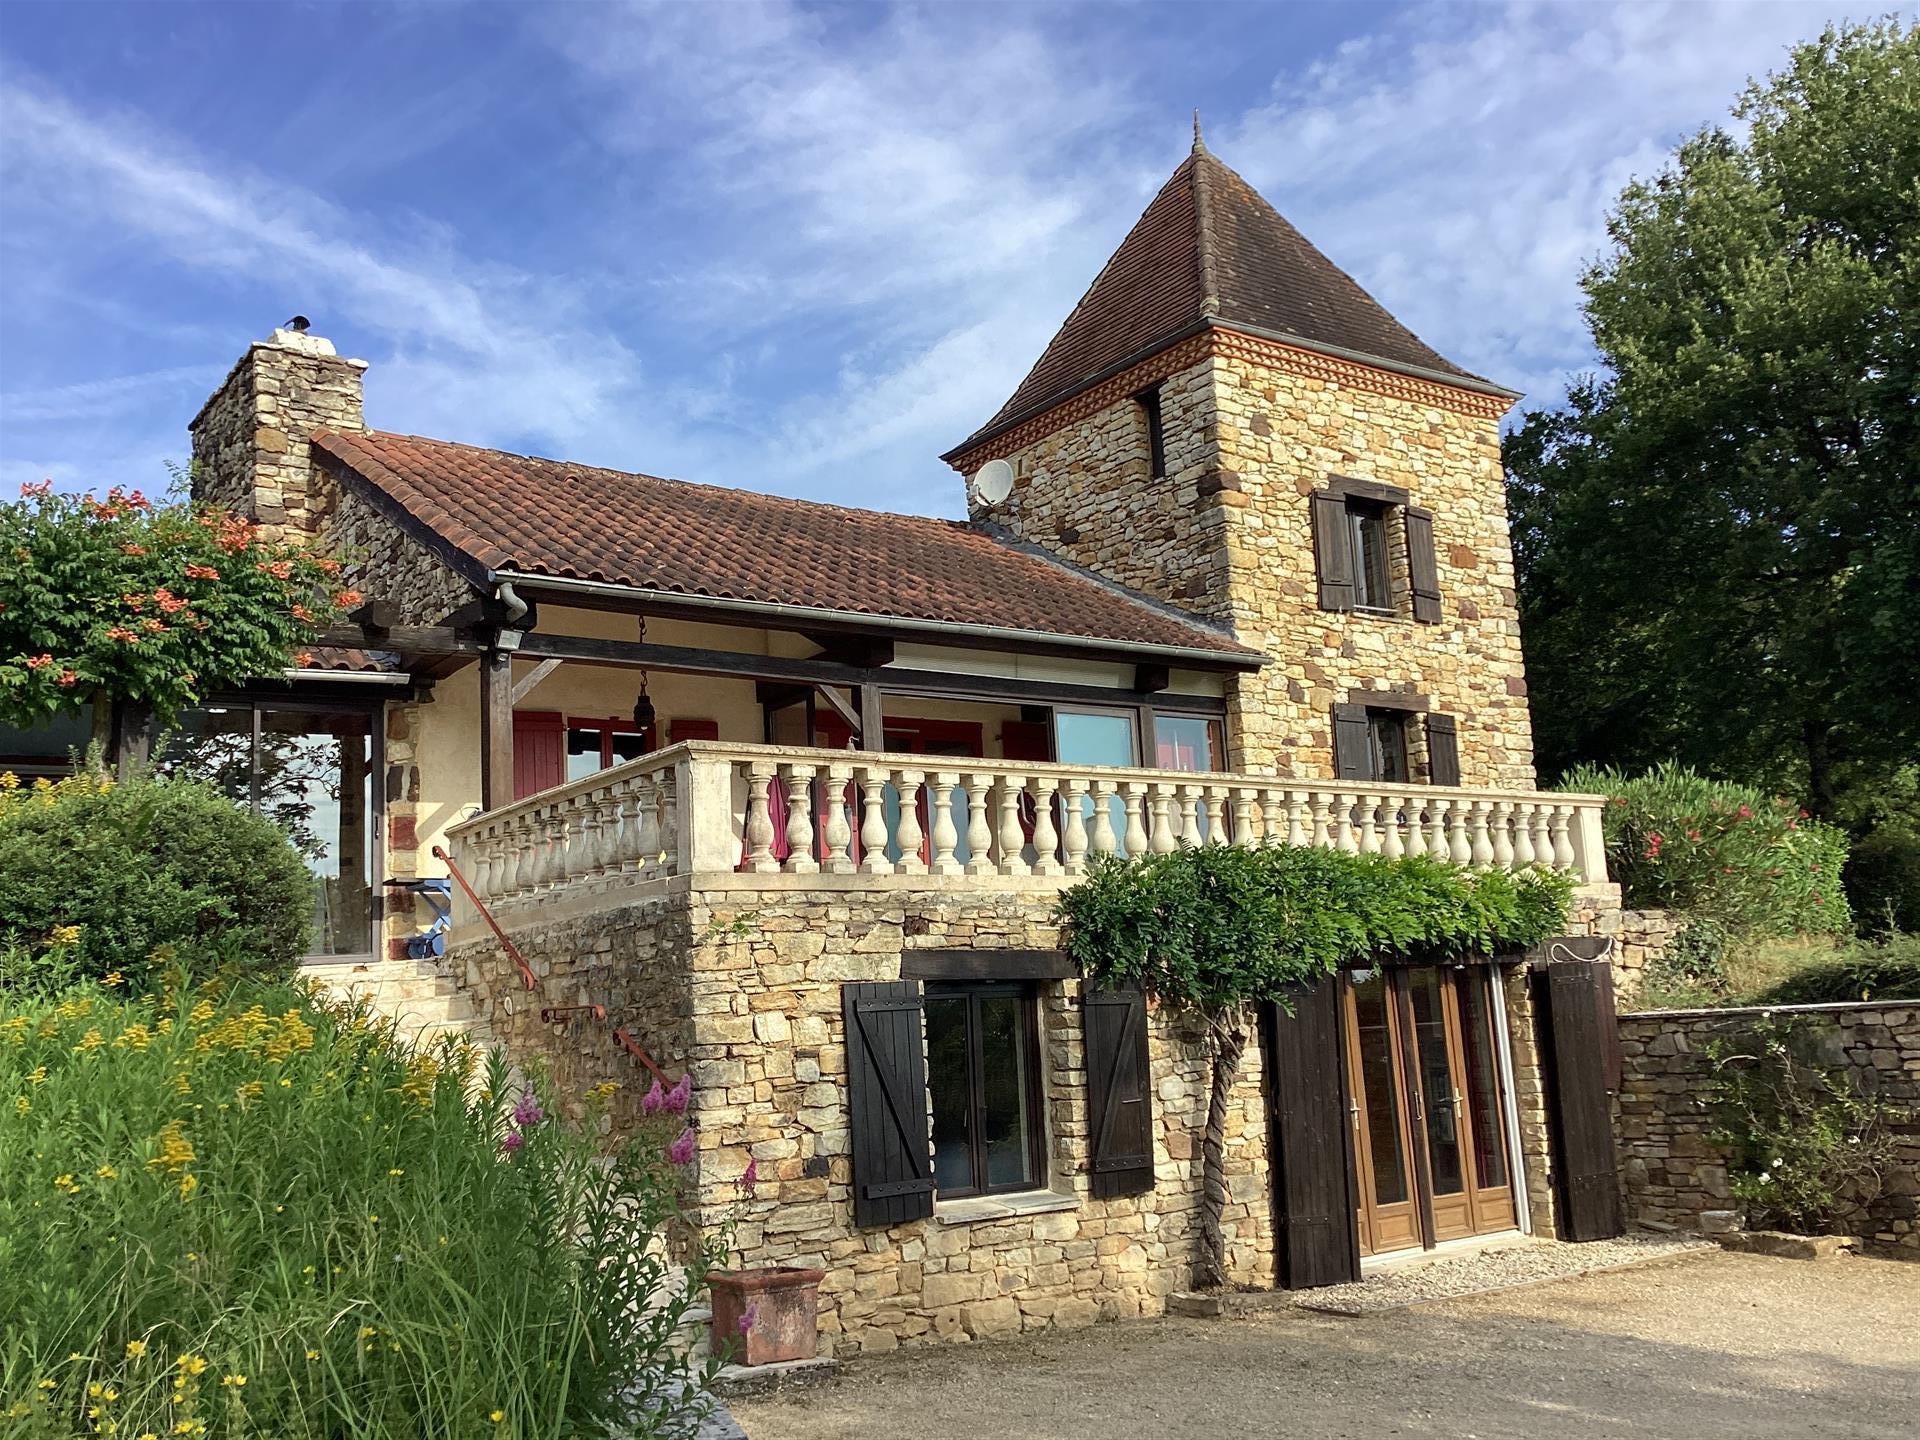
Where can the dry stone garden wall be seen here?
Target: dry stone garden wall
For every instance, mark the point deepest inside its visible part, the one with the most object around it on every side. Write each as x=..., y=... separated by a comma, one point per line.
x=1671, y=1171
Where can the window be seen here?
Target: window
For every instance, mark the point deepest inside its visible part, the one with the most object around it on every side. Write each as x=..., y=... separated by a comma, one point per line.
x=983, y=1074
x=1387, y=745
x=1149, y=401
x=1187, y=742
x=593, y=745
x=1367, y=541
x=309, y=768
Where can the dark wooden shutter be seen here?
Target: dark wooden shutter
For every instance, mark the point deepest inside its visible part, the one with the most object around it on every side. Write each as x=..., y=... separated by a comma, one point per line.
x=1423, y=570
x=1119, y=1093
x=1332, y=551
x=1352, y=757
x=1443, y=750
x=887, y=1102
x=1574, y=1004
x=687, y=727
x=1316, y=1234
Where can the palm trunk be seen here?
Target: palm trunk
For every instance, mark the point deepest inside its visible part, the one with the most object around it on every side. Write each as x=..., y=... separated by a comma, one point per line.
x=1210, y=1266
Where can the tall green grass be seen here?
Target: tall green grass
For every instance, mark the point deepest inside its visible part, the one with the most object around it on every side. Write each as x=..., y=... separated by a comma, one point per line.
x=237, y=1212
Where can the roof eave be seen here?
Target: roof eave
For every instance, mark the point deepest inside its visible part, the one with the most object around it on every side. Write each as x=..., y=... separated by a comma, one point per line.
x=798, y=617
x=1471, y=383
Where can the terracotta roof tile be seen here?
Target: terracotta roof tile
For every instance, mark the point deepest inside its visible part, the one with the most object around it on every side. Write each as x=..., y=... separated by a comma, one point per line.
x=547, y=517
x=1210, y=248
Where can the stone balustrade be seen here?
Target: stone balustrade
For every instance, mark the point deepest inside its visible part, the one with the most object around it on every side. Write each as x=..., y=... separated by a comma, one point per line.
x=709, y=808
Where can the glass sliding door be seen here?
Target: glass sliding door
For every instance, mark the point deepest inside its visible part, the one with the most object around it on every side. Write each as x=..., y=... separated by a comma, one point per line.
x=1108, y=738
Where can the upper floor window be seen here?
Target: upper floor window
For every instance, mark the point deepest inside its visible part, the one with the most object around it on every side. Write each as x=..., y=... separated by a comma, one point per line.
x=1149, y=402
x=1356, y=524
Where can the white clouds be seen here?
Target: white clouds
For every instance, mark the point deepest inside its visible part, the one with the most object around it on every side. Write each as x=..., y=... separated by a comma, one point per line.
x=1460, y=163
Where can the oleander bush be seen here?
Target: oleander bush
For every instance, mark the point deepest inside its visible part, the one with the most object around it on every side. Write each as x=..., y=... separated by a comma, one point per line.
x=235, y=1211
x=1754, y=863
x=99, y=877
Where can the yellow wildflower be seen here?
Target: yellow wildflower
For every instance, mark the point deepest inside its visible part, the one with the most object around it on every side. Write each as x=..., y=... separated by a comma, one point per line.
x=65, y=1185
x=37, y=1076
x=61, y=936
x=396, y=1172
x=497, y=1416
x=192, y=1364
x=89, y=1042
x=107, y=1172
x=46, y=1384
x=112, y=977
x=188, y=1184
x=313, y=1354
x=233, y=1382
x=22, y=1105
x=176, y=1151
x=366, y=1330
x=136, y=1348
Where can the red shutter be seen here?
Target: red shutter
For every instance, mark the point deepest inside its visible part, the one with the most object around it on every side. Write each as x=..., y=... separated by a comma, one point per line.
x=539, y=751
x=684, y=727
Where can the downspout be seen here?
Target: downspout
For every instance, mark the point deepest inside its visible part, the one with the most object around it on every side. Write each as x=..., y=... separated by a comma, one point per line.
x=1503, y=1049
x=516, y=607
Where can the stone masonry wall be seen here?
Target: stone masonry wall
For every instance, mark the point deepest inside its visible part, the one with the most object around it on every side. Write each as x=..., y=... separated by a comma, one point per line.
x=1671, y=1171
x=381, y=559
x=250, y=447
x=1252, y=429
x=756, y=1013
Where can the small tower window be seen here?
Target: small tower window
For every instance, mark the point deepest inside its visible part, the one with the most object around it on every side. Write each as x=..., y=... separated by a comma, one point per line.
x=1367, y=537
x=1149, y=402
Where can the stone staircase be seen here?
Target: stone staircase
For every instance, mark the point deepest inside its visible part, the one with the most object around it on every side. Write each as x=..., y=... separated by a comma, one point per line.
x=426, y=1002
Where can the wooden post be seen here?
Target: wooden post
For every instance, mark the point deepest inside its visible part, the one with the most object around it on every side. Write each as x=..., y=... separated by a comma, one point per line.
x=873, y=728
x=130, y=738
x=496, y=729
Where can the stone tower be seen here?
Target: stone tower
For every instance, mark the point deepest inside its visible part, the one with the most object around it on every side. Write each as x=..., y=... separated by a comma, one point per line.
x=1229, y=423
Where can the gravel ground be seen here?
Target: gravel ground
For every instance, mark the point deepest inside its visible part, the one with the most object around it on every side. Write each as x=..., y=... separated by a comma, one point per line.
x=1502, y=1265
x=1706, y=1346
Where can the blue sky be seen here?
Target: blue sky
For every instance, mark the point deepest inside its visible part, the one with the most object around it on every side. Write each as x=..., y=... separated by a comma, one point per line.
x=785, y=247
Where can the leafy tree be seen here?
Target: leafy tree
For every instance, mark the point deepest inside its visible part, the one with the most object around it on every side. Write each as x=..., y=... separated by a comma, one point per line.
x=1718, y=536
x=147, y=606
x=1214, y=930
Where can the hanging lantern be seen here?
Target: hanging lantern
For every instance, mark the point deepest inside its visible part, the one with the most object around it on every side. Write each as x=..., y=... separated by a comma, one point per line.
x=645, y=718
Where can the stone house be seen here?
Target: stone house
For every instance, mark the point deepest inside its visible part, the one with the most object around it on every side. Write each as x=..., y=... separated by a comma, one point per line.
x=782, y=794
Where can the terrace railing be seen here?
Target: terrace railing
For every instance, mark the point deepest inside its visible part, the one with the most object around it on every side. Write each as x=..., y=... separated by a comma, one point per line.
x=847, y=818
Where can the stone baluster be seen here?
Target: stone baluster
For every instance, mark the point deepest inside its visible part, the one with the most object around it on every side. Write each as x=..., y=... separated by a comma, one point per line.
x=1213, y=804
x=800, y=857
x=908, y=835
x=1416, y=812
x=1046, y=838
x=1105, y=842
x=627, y=854
x=1366, y=838
x=873, y=823
x=839, y=828
x=1542, y=837
x=1299, y=818
x=1502, y=835
x=1322, y=835
x=1459, y=843
x=648, y=840
x=979, y=827
x=1134, y=798
x=1559, y=828
x=1276, y=807
x=666, y=858
x=1245, y=832
x=1437, y=808
x=1482, y=841
x=1073, y=843
x=1522, y=834
x=1162, y=834
x=1391, y=844
x=1011, y=841
x=759, y=827
x=513, y=868
x=943, y=835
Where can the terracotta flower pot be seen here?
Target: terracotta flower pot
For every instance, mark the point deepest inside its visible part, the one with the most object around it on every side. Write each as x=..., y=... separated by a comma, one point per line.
x=780, y=1308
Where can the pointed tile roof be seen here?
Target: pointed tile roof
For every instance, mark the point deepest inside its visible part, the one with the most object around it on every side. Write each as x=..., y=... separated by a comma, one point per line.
x=1210, y=249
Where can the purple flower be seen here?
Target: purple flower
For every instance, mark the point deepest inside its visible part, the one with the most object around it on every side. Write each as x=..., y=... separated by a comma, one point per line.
x=675, y=1101
x=681, y=1151
x=749, y=1176
x=527, y=1113
x=512, y=1142
x=654, y=1100
x=748, y=1316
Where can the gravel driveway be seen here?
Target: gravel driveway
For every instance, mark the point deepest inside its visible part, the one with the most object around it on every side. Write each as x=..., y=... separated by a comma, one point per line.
x=1708, y=1345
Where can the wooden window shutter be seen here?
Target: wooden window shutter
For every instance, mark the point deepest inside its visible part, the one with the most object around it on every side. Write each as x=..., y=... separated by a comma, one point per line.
x=686, y=727
x=887, y=1102
x=1119, y=1093
x=1311, y=1139
x=1332, y=551
x=1422, y=568
x=539, y=751
x=1443, y=750
x=1352, y=758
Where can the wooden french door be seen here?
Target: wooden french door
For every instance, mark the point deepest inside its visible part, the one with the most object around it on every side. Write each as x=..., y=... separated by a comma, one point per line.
x=1427, y=1112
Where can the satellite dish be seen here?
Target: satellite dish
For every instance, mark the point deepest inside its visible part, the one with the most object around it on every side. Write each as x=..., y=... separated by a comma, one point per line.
x=993, y=482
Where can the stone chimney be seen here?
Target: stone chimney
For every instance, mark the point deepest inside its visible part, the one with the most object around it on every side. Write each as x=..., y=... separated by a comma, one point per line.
x=250, y=438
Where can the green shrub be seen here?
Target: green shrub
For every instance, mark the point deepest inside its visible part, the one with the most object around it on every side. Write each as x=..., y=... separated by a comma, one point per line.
x=1691, y=971
x=1725, y=852
x=259, y=1214
x=97, y=876
x=1883, y=873
x=1217, y=926
x=1889, y=970
x=1803, y=1150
